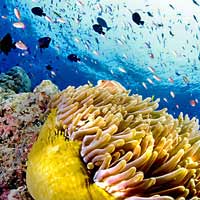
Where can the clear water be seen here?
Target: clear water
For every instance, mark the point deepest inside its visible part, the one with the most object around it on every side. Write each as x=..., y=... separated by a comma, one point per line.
x=160, y=58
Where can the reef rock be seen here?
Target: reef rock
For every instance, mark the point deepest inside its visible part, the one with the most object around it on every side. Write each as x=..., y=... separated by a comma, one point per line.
x=46, y=86
x=21, y=118
x=15, y=79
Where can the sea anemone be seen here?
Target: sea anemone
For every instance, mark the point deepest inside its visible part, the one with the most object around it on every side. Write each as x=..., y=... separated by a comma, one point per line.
x=126, y=146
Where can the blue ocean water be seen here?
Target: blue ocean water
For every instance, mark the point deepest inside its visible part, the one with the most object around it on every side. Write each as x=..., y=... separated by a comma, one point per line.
x=159, y=59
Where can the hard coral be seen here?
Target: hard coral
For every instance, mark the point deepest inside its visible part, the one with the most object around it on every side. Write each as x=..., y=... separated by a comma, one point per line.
x=21, y=117
x=15, y=79
x=131, y=149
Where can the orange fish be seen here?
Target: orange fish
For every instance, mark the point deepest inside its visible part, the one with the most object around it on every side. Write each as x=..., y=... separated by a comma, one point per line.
x=21, y=45
x=17, y=13
x=61, y=20
x=48, y=18
x=19, y=25
x=156, y=77
x=170, y=79
x=192, y=103
x=151, y=69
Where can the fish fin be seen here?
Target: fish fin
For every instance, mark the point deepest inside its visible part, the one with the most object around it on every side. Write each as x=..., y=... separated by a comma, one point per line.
x=103, y=33
x=142, y=22
x=13, y=45
x=108, y=28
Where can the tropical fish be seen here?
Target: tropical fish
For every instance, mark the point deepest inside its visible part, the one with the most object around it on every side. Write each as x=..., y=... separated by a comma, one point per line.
x=193, y=102
x=137, y=19
x=73, y=58
x=150, y=81
x=98, y=28
x=186, y=80
x=171, y=33
x=58, y=15
x=17, y=13
x=195, y=18
x=44, y=42
x=151, y=55
x=21, y=45
x=6, y=44
x=61, y=20
x=49, y=67
x=144, y=85
x=151, y=69
x=165, y=99
x=19, y=25
x=4, y=17
x=177, y=73
x=156, y=77
x=103, y=23
x=149, y=14
x=48, y=18
x=172, y=94
x=195, y=2
x=171, y=80
x=148, y=44
x=52, y=74
x=171, y=6
x=38, y=11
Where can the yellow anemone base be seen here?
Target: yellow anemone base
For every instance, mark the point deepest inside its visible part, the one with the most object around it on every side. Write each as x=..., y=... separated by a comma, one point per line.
x=55, y=170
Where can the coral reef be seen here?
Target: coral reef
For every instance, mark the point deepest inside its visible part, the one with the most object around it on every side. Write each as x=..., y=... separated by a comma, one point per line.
x=21, y=118
x=15, y=79
x=130, y=149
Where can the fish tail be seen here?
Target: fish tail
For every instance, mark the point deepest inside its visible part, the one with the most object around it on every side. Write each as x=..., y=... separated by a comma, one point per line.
x=44, y=14
x=103, y=33
x=142, y=22
x=108, y=28
x=13, y=45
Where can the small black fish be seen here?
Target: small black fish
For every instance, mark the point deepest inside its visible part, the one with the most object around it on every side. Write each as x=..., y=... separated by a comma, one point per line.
x=177, y=73
x=196, y=3
x=160, y=25
x=49, y=67
x=38, y=11
x=73, y=58
x=137, y=19
x=149, y=14
x=171, y=6
x=58, y=15
x=103, y=23
x=171, y=33
x=6, y=44
x=195, y=18
x=98, y=28
x=44, y=42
